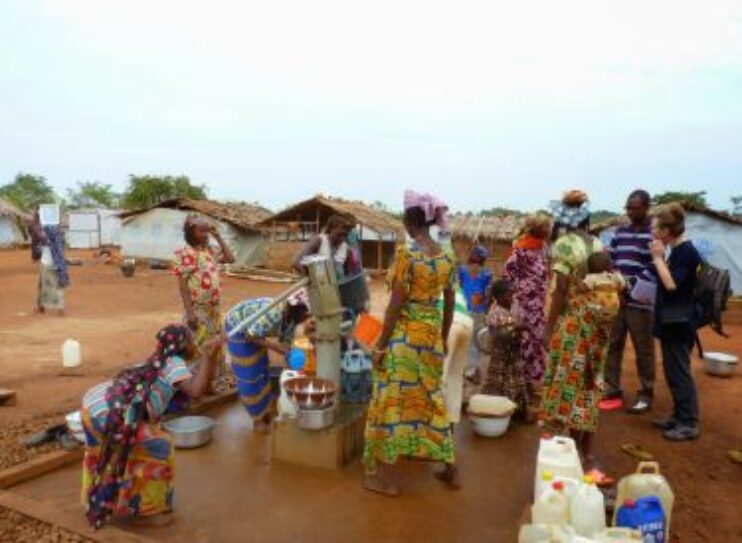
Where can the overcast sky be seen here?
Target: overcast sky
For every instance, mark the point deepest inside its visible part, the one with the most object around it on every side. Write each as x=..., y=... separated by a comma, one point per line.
x=485, y=103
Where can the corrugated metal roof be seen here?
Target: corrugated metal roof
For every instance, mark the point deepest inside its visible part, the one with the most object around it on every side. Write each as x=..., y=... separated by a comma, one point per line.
x=324, y=206
x=478, y=227
x=241, y=215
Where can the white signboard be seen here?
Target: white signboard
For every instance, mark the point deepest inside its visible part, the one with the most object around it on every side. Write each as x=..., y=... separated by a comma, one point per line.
x=49, y=214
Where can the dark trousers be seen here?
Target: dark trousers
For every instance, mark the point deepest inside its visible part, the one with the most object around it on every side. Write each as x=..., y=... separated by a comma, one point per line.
x=676, y=362
x=638, y=324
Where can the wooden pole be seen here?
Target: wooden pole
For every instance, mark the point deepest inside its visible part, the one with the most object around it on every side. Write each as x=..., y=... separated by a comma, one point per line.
x=379, y=255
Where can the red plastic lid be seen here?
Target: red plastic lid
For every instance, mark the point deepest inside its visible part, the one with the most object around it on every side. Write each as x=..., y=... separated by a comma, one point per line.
x=558, y=485
x=630, y=503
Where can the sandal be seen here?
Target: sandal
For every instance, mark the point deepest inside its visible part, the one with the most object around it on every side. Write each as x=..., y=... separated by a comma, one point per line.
x=601, y=479
x=637, y=451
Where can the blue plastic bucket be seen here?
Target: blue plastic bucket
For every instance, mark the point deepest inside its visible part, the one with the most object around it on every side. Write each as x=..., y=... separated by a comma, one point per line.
x=297, y=359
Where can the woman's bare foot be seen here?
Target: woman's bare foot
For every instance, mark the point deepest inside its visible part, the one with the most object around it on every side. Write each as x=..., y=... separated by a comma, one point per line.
x=449, y=476
x=155, y=521
x=374, y=483
x=39, y=310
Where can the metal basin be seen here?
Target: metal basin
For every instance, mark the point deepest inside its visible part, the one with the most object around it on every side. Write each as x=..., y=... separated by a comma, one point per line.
x=720, y=364
x=190, y=432
x=315, y=419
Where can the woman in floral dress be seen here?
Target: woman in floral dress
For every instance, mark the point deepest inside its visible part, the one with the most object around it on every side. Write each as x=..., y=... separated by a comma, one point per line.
x=528, y=270
x=578, y=342
x=407, y=415
x=200, y=284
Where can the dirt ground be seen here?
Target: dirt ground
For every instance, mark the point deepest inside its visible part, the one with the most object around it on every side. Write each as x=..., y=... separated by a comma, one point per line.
x=115, y=319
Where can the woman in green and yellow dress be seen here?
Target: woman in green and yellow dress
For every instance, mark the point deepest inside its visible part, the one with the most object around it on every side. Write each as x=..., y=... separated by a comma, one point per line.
x=407, y=414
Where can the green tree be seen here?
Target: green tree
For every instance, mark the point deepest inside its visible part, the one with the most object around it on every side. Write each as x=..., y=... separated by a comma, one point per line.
x=602, y=215
x=92, y=194
x=149, y=190
x=28, y=190
x=381, y=206
x=695, y=198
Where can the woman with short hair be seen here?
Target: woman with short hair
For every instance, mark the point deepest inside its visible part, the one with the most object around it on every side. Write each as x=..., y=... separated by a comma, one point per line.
x=676, y=318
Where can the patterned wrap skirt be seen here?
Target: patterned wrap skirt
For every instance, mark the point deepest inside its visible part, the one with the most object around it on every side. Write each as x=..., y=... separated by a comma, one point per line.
x=50, y=295
x=147, y=487
x=407, y=415
x=573, y=381
x=209, y=326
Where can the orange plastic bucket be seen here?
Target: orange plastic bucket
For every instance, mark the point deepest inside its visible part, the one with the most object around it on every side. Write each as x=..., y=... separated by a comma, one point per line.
x=367, y=331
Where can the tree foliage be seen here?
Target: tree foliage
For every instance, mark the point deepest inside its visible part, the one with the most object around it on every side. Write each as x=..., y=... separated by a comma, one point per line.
x=381, y=206
x=92, y=194
x=695, y=198
x=149, y=190
x=28, y=190
x=602, y=215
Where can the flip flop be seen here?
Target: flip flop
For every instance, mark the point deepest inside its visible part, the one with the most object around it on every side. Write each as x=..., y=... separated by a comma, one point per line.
x=735, y=455
x=614, y=404
x=601, y=479
x=637, y=451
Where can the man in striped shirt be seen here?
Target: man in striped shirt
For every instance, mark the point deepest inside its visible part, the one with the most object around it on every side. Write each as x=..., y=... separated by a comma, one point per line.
x=631, y=256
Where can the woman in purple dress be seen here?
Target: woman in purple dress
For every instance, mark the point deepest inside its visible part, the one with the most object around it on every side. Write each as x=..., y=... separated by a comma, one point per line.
x=528, y=269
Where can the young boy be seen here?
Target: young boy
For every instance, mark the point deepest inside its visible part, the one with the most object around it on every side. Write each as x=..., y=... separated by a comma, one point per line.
x=506, y=372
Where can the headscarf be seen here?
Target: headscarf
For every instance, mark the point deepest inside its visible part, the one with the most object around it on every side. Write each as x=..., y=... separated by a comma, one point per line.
x=480, y=252
x=55, y=241
x=572, y=210
x=300, y=297
x=435, y=209
x=128, y=400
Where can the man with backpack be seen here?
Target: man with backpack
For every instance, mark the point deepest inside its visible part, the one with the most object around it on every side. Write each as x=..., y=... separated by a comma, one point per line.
x=631, y=256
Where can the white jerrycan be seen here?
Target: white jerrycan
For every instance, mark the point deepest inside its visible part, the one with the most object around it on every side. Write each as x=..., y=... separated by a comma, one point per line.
x=619, y=535
x=552, y=507
x=587, y=510
x=71, y=354
x=647, y=481
x=286, y=408
x=559, y=456
x=548, y=478
x=546, y=533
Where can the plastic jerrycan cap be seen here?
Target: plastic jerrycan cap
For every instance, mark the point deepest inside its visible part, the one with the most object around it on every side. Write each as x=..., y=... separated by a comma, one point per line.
x=547, y=476
x=558, y=486
x=629, y=503
x=589, y=479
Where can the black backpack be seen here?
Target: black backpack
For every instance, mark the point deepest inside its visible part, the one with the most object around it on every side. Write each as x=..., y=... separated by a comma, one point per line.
x=713, y=290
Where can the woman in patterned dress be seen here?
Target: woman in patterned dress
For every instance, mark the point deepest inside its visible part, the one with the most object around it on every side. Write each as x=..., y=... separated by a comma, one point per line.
x=129, y=460
x=527, y=269
x=577, y=340
x=407, y=414
x=249, y=351
x=200, y=285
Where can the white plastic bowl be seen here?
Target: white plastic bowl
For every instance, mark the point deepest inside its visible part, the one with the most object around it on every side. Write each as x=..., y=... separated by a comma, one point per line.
x=720, y=364
x=490, y=426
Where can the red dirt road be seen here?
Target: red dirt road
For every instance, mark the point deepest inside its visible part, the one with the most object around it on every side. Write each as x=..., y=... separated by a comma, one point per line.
x=115, y=319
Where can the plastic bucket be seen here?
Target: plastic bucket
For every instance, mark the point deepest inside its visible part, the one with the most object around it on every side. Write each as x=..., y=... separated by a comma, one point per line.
x=367, y=331
x=354, y=292
x=297, y=359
